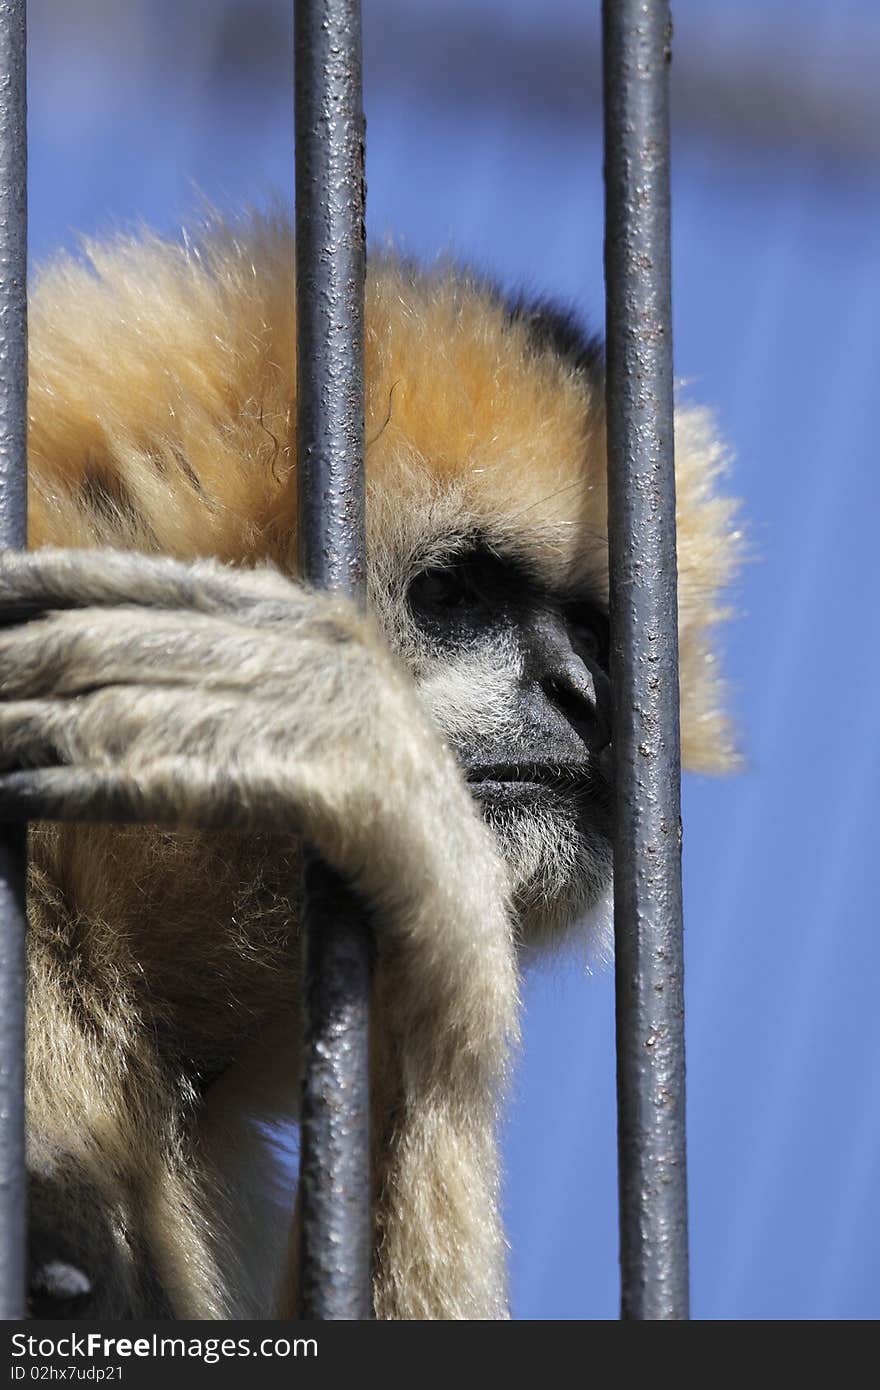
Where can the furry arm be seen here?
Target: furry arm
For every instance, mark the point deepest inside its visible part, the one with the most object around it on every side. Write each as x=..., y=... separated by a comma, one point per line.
x=196, y=695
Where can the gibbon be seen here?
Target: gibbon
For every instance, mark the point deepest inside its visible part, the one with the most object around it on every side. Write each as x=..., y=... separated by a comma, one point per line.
x=448, y=753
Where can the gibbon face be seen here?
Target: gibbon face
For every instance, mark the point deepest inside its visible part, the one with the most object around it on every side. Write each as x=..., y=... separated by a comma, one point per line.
x=516, y=677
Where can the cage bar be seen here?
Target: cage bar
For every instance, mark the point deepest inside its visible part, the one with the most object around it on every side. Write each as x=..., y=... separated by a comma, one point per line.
x=13, y=533
x=644, y=663
x=330, y=270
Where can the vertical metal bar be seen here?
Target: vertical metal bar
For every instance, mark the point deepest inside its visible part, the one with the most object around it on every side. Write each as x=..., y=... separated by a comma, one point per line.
x=644, y=663
x=13, y=532
x=330, y=268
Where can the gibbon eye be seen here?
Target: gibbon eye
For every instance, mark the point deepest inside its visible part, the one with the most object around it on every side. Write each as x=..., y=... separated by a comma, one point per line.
x=440, y=589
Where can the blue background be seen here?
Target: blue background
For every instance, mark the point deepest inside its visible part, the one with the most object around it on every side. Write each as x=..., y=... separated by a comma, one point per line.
x=483, y=138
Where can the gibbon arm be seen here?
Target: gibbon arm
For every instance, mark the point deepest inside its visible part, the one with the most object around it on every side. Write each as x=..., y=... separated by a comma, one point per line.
x=195, y=695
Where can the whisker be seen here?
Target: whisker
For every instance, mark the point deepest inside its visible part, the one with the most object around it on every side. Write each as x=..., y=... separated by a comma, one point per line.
x=385, y=423
x=549, y=497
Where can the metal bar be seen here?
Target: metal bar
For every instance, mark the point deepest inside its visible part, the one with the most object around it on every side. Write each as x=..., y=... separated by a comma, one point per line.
x=330, y=267
x=644, y=663
x=13, y=532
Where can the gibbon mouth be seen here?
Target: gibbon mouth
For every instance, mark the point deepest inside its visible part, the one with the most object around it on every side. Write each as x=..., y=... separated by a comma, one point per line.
x=560, y=776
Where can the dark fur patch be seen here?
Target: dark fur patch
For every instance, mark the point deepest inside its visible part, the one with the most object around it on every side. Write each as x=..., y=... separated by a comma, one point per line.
x=105, y=494
x=552, y=328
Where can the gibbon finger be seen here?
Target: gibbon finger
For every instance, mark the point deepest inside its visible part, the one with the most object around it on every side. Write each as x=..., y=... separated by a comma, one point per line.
x=70, y=794
x=34, y=733
x=74, y=652
x=176, y=794
x=68, y=652
x=53, y=579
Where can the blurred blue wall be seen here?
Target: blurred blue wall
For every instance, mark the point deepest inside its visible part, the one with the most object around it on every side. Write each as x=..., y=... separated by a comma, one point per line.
x=483, y=138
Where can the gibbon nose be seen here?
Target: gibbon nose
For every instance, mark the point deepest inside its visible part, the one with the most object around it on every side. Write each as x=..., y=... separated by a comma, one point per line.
x=575, y=687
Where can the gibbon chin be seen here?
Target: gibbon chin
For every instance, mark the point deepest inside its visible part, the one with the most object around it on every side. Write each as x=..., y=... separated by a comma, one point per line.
x=449, y=753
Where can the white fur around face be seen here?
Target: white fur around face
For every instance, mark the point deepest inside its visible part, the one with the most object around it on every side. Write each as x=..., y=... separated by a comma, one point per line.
x=470, y=694
x=560, y=866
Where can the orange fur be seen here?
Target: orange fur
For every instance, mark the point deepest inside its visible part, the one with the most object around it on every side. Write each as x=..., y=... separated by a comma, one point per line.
x=162, y=419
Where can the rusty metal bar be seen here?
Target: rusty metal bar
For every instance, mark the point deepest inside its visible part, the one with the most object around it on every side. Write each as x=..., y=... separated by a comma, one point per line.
x=330, y=269
x=13, y=532
x=644, y=663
